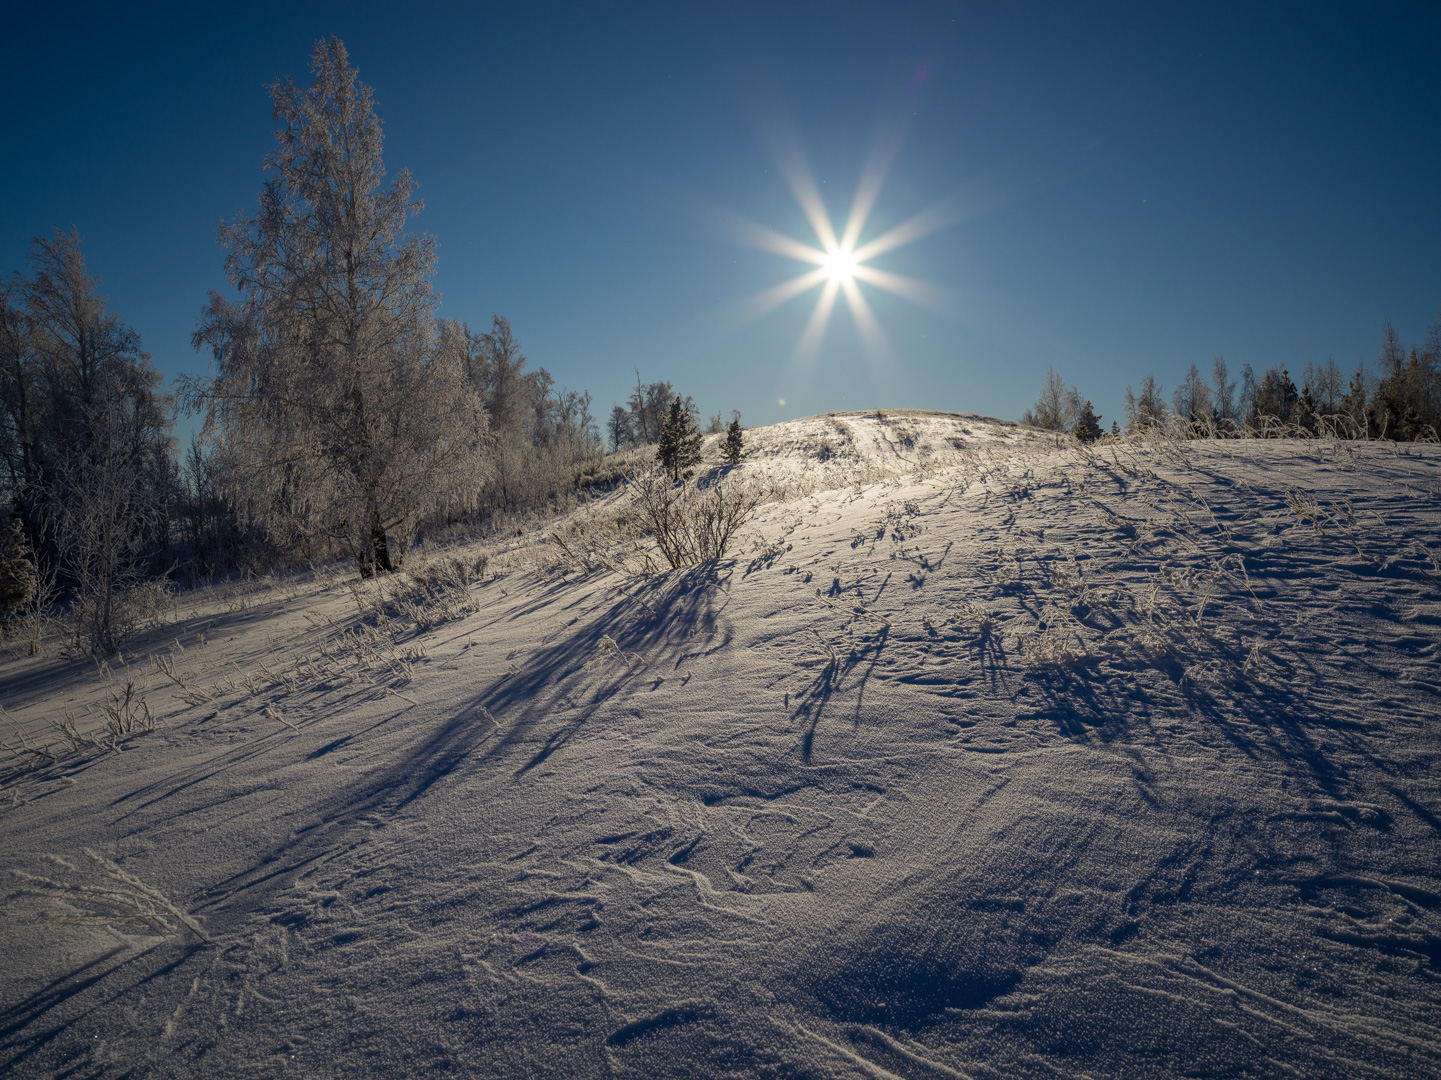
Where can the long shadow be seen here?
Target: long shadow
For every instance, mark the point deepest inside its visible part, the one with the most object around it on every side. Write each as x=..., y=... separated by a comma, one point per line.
x=18, y=1036
x=991, y=653
x=811, y=702
x=511, y=715
x=42, y=678
x=23, y=1013
x=412, y=773
x=647, y=627
x=673, y=611
x=1085, y=709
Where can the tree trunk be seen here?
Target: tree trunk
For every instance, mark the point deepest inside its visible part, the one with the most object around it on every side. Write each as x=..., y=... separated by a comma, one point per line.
x=382, y=550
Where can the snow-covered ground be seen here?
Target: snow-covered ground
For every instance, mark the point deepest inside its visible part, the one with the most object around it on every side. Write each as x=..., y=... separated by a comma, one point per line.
x=984, y=756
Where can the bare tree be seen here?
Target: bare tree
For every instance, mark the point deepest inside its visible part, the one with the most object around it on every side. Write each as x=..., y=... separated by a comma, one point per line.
x=1192, y=401
x=541, y=439
x=66, y=359
x=101, y=520
x=1246, y=400
x=618, y=429
x=507, y=396
x=1223, y=396
x=334, y=409
x=86, y=439
x=1058, y=408
x=649, y=407
x=1146, y=410
x=1327, y=386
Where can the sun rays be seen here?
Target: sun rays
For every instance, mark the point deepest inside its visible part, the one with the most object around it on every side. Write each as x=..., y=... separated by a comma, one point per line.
x=838, y=261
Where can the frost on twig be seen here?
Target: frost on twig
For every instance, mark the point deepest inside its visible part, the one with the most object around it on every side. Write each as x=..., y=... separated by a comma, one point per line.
x=632, y=661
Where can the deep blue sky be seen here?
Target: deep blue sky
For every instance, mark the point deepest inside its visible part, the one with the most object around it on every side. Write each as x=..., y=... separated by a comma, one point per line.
x=1147, y=186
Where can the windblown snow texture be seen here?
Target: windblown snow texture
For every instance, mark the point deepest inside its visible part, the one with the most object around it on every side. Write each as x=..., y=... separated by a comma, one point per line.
x=985, y=756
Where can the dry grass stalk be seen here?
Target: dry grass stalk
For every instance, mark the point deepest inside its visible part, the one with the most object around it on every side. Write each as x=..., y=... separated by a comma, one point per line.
x=107, y=894
x=856, y=612
x=632, y=661
x=274, y=712
x=25, y=749
x=126, y=713
x=76, y=740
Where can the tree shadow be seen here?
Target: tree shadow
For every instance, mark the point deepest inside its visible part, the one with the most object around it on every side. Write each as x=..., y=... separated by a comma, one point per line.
x=1265, y=721
x=655, y=625
x=503, y=723
x=813, y=700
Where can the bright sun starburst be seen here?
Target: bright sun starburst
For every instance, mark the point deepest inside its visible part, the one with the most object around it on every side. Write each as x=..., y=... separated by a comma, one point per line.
x=840, y=261
x=840, y=265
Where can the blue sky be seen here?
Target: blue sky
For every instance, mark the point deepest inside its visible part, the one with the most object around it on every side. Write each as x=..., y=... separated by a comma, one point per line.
x=1136, y=187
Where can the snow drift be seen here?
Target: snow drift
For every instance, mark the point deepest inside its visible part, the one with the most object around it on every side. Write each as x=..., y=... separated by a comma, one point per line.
x=981, y=754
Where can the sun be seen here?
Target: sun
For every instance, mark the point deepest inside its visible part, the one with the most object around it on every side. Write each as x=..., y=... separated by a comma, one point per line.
x=840, y=264
x=840, y=261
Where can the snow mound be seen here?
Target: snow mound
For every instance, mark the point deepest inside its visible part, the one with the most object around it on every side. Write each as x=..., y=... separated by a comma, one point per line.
x=984, y=754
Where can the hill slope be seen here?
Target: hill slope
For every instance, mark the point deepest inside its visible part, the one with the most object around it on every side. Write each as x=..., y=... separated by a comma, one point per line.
x=984, y=756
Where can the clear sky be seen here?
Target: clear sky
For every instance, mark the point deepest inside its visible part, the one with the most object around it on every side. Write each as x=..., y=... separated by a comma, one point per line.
x=1123, y=189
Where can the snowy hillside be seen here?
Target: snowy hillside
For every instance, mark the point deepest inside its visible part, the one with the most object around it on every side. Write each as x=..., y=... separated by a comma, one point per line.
x=981, y=755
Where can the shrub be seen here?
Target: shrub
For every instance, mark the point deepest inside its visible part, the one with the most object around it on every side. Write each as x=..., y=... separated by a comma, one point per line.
x=691, y=524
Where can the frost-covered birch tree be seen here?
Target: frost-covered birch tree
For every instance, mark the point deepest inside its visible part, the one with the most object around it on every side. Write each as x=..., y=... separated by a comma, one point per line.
x=84, y=436
x=336, y=414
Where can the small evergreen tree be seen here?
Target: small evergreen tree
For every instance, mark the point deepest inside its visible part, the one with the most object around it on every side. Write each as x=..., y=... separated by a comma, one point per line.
x=1304, y=412
x=733, y=449
x=1275, y=399
x=1411, y=425
x=680, y=441
x=1353, y=405
x=1087, y=427
x=17, y=572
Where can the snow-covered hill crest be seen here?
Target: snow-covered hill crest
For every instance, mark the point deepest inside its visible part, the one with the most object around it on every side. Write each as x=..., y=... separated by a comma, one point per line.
x=981, y=754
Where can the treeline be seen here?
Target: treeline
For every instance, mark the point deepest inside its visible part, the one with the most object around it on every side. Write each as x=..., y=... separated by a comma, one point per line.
x=1397, y=396
x=642, y=419
x=341, y=415
x=92, y=491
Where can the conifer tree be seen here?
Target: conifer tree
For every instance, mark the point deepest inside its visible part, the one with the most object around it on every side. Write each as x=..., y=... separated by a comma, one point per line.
x=1087, y=427
x=680, y=441
x=17, y=572
x=733, y=449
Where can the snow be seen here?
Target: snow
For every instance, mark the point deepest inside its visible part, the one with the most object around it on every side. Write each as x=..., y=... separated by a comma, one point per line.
x=986, y=755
